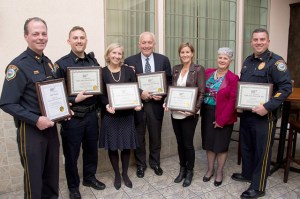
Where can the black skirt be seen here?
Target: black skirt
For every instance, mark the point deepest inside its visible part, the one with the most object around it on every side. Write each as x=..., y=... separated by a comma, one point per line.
x=214, y=139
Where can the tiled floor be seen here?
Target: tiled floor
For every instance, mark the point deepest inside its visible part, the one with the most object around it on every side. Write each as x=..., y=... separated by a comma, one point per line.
x=157, y=187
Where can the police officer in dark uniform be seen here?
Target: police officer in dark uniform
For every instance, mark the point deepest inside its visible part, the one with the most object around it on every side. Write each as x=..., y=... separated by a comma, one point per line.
x=37, y=135
x=257, y=127
x=83, y=127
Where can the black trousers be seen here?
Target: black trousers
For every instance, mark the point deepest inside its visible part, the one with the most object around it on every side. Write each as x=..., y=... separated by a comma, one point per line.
x=154, y=129
x=39, y=154
x=76, y=133
x=256, y=137
x=184, y=130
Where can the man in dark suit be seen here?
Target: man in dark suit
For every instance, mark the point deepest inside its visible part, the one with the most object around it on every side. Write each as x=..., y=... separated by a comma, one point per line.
x=152, y=113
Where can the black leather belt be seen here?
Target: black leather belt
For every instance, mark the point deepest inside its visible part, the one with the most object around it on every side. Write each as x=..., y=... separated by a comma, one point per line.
x=84, y=109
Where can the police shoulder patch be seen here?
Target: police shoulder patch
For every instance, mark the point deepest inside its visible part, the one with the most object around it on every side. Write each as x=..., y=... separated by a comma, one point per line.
x=11, y=72
x=281, y=65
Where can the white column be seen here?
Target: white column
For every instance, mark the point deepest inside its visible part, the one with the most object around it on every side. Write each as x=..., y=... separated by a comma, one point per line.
x=239, y=37
x=160, y=24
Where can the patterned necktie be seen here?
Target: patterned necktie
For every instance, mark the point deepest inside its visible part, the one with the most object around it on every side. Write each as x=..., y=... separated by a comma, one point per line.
x=147, y=66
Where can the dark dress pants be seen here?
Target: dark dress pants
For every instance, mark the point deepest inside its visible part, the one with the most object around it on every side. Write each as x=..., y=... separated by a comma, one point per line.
x=39, y=154
x=76, y=132
x=184, y=130
x=256, y=137
x=154, y=129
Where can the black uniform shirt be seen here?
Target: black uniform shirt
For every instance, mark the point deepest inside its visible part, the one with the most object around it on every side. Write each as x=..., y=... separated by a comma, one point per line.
x=71, y=60
x=268, y=68
x=19, y=96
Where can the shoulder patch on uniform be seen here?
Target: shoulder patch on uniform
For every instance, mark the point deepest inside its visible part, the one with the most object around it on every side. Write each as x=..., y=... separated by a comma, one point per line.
x=281, y=66
x=11, y=72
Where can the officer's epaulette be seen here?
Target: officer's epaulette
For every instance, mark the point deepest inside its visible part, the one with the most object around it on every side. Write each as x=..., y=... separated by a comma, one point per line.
x=65, y=57
x=91, y=55
x=18, y=59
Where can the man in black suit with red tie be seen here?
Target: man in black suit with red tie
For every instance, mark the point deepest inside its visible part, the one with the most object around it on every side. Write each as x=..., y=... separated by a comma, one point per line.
x=152, y=113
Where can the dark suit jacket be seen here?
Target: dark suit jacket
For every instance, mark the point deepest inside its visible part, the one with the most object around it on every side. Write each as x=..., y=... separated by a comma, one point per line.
x=162, y=63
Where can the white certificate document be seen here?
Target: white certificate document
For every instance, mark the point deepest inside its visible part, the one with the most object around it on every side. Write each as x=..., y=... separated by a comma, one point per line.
x=182, y=98
x=54, y=100
x=86, y=78
x=153, y=82
x=253, y=94
x=123, y=95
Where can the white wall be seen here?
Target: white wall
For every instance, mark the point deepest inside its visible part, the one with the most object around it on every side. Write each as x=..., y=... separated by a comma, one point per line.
x=279, y=26
x=61, y=16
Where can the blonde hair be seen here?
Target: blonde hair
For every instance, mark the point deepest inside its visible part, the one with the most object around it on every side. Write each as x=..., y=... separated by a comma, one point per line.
x=110, y=48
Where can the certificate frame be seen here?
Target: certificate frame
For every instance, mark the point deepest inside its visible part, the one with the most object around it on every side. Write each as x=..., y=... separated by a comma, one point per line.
x=155, y=83
x=123, y=96
x=182, y=98
x=90, y=78
x=52, y=98
x=252, y=94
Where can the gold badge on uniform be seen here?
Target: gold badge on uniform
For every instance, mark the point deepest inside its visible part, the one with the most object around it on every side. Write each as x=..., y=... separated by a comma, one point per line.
x=61, y=109
x=11, y=72
x=261, y=65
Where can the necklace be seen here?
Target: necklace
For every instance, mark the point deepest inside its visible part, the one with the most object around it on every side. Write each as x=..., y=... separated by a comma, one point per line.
x=114, y=77
x=217, y=76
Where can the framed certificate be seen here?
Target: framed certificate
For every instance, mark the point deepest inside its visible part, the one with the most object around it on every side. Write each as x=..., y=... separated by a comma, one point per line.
x=182, y=98
x=87, y=79
x=155, y=83
x=253, y=94
x=123, y=95
x=52, y=99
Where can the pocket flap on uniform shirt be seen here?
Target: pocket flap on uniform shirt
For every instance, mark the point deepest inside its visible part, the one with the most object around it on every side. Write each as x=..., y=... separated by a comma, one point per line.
x=38, y=78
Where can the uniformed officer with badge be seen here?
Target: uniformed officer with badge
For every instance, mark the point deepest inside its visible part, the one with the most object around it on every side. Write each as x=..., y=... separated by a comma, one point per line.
x=257, y=127
x=37, y=136
x=83, y=128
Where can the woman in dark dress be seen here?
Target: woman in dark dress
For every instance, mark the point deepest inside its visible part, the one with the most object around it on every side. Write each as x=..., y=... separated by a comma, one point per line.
x=218, y=113
x=117, y=126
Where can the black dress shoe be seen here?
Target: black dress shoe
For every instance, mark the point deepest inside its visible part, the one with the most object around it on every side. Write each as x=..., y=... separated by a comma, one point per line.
x=239, y=177
x=251, y=193
x=74, y=194
x=117, y=182
x=206, y=179
x=188, y=178
x=140, y=172
x=181, y=175
x=127, y=181
x=218, y=183
x=157, y=170
x=94, y=183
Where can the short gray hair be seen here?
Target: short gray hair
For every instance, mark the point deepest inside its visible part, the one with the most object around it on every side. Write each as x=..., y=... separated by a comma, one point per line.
x=226, y=51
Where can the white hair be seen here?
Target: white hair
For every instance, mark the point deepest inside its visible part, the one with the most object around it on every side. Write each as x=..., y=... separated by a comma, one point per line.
x=226, y=51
